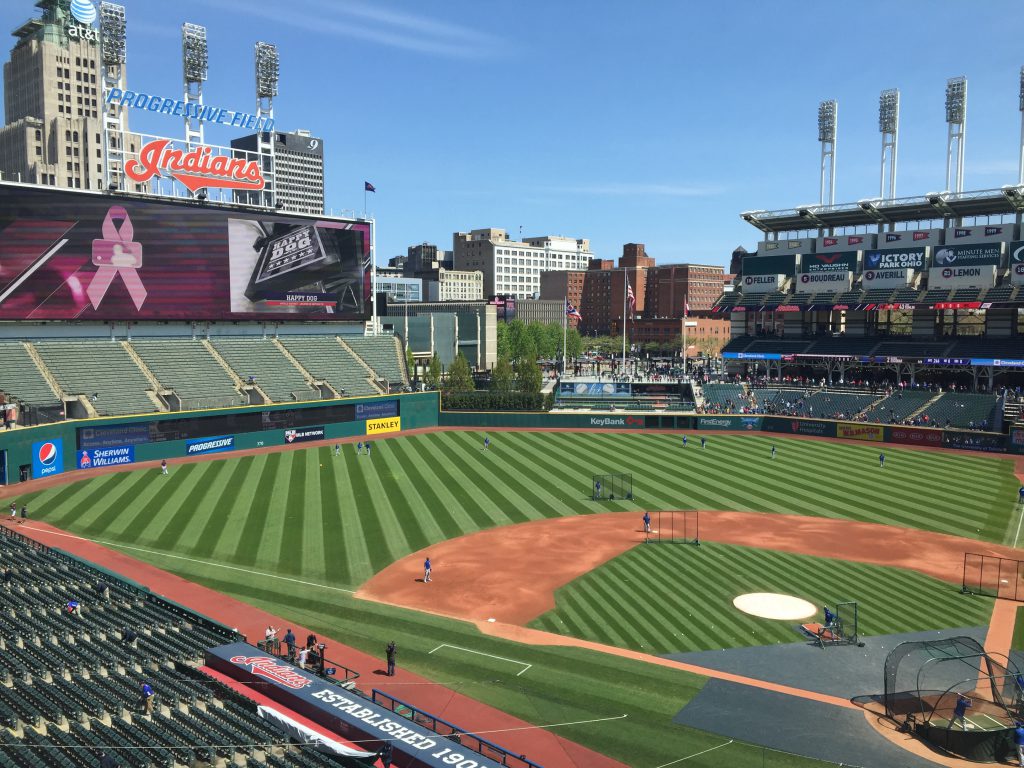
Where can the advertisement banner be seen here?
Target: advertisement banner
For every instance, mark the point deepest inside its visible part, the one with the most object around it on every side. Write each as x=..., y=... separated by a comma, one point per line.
x=799, y=426
x=747, y=423
x=594, y=389
x=824, y=281
x=210, y=445
x=914, y=436
x=383, y=410
x=1017, y=252
x=763, y=283
x=841, y=261
x=886, y=278
x=47, y=458
x=1017, y=273
x=70, y=255
x=382, y=426
x=839, y=242
x=974, y=441
x=304, y=435
x=113, y=436
x=873, y=432
x=1015, y=443
x=983, y=276
x=969, y=255
x=896, y=258
x=769, y=265
x=617, y=422
x=106, y=457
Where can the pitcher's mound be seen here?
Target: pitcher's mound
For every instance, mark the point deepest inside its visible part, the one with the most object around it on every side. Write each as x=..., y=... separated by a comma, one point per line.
x=769, y=605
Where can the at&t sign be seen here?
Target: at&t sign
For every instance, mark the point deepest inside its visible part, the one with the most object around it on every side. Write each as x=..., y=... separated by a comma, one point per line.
x=83, y=16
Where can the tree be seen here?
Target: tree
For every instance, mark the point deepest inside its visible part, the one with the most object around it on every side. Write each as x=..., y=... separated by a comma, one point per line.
x=502, y=376
x=504, y=342
x=573, y=343
x=528, y=376
x=460, y=378
x=432, y=376
x=410, y=362
x=518, y=338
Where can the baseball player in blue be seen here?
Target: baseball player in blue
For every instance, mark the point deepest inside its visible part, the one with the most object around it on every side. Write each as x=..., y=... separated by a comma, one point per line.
x=359, y=447
x=881, y=460
x=367, y=447
x=684, y=441
x=487, y=443
x=426, y=569
x=1018, y=739
x=597, y=489
x=1020, y=496
x=647, y=522
x=703, y=442
x=960, y=711
x=773, y=451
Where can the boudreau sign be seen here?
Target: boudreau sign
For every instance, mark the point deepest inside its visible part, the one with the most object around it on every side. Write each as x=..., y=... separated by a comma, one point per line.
x=196, y=168
x=811, y=282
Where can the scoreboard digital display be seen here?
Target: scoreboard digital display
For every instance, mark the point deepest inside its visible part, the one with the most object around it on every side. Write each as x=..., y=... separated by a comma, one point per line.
x=72, y=255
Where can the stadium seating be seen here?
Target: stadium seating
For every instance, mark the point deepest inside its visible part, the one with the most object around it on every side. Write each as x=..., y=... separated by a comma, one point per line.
x=962, y=410
x=68, y=682
x=382, y=354
x=842, y=345
x=898, y=406
x=20, y=376
x=908, y=347
x=719, y=396
x=274, y=373
x=328, y=360
x=103, y=369
x=188, y=368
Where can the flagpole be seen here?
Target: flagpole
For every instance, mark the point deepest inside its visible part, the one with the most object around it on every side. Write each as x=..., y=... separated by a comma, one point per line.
x=565, y=332
x=686, y=313
x=625, y=285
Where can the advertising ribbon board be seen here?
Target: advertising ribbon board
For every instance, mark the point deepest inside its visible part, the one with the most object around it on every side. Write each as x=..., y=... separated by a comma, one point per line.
x=106, y=457
x=383, y=426
x=747, y=423
x=874, y=432
x=895, y=258
x=617, y=422
x=799, y=426
x=210, y=445
x=914, y=436
x=843, y=261
x=304, y=435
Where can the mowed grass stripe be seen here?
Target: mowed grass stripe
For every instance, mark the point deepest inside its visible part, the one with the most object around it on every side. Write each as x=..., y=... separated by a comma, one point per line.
x=336, y=564
x=426, y=491
x=119, y=496
x=537, y=470
x=435, y=462
x=369, y=515
x=189, y=493
x=393, y=538
x=406, y=529
x=291, y=559
x=266, y=469
x=684, y=593
x=209, y=537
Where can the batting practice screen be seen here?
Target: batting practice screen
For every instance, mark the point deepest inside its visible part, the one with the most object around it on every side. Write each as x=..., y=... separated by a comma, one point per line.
x=611, y=487
x=682, y=526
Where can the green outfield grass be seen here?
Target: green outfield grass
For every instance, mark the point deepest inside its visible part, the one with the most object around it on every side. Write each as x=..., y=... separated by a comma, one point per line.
x=664, y=598
x=333, y=522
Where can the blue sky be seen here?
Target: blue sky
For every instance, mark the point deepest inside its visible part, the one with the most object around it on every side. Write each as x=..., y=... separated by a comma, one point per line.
x=653, y=122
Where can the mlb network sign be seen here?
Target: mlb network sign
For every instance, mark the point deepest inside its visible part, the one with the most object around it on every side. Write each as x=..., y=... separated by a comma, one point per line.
x=47, y=458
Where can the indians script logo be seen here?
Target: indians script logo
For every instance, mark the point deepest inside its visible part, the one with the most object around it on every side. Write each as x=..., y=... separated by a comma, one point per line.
x=195, y=169
x=83, y=11
x=267, y=667
x=47, y=454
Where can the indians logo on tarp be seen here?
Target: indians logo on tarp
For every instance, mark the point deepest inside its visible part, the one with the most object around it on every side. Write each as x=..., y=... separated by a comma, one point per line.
x=47, y=454
x=195, y=168
x=268, y=667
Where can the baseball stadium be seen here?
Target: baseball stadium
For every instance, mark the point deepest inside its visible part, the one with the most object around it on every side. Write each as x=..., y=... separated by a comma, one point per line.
x=245, y=529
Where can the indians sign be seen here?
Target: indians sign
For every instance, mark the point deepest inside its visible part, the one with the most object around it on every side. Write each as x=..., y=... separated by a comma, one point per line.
x=195, y=168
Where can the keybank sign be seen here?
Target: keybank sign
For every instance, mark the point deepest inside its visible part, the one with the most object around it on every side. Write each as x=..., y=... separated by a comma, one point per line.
x=83, y=16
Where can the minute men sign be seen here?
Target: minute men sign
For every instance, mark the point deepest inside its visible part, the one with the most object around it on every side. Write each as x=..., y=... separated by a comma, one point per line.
x=968, y=255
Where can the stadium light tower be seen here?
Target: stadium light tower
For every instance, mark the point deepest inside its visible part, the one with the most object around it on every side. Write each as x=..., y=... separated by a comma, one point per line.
x=828, y=114
x=1020, y=169
x=889, y=126
x=194, y=62
x=113, y=53
x=268, y=72
x=956, y=121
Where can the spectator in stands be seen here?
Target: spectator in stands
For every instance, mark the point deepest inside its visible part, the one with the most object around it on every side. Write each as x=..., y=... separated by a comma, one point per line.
x=385, y=755
x=103, y=591
x=24, y=514
x=106, y=761
x=130, y=638
x=74, y=608
x=9, y=574
x=310, y=640
x=270, y=636
x=303, y=657
x=147, y=698
x=14, y=510
x=289, y=641
x=391, y=651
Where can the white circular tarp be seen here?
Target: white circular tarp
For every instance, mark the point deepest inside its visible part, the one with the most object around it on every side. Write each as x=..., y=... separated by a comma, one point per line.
x=769, y=605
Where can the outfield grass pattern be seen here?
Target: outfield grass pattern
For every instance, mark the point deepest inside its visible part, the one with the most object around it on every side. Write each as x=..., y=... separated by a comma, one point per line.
x=665, y=598
x=334, y=522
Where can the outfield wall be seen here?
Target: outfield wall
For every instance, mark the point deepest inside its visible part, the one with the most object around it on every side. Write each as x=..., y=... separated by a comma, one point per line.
x=783, y=425
x=51, y=449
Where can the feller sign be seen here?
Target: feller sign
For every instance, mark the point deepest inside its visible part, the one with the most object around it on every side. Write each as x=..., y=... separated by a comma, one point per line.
x=195, y=168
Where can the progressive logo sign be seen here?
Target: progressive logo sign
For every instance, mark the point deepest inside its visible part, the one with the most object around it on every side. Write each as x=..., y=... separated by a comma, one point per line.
x=47, y=458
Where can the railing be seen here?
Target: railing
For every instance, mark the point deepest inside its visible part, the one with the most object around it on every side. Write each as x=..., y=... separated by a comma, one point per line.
x=318, y=669
x=452, y=732
x=203, y=403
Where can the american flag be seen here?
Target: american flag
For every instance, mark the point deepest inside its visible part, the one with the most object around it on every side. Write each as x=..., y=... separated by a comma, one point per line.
x=686, y=309
x=630, y=296
x=571, y=311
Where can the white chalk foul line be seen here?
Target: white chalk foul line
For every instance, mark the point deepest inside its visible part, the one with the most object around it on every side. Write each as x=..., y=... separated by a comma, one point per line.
x=523, y=664
x=1020, y=520
x=251, y=572
x=696, y=754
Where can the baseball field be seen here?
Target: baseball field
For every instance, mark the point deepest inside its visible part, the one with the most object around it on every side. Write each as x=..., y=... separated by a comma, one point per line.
x=297, y=532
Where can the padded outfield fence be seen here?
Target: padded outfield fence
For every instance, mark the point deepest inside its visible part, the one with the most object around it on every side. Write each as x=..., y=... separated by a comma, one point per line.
x=993, y=576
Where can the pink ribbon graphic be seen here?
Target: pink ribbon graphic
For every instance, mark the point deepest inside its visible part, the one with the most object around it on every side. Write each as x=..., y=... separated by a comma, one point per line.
x=116, y=254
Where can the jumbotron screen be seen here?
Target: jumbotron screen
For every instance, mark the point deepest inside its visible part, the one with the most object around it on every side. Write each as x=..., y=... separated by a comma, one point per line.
x=69, y=255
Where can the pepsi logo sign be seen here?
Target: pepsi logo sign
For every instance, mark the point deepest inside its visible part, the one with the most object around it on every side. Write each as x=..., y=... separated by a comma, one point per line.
x=47, y=454
x=47, y=458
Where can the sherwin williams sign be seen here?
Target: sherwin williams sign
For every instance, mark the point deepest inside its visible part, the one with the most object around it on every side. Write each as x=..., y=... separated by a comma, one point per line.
x=843, y=261
x=382, y=426
x=896, y=258
x=47, y=458
x=105, y=457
